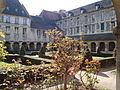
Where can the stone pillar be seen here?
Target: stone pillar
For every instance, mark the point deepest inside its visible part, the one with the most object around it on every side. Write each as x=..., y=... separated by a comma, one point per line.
x=35, y=45
x=11, y=45
x=97, y=45
x=106, y=46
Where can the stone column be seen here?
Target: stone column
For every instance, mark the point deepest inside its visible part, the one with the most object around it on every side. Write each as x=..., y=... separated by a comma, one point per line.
x=97, y=45
x=106, y=46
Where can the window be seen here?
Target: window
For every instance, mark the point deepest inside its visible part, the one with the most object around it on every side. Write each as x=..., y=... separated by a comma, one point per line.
x=1, y=18
x=86, y=19
x=97, y=26
x=93, y=28
x=113, y=14
x=38, y=32
x=24, y=33
x=107, y=26
x=85, y=29
x=16, y=33
x=44, y=34
x=7, y=30
x=97, y=6
x=102, y=16
x=7, y=19
x=24, y=21
x=113, y=24
x=93, y=18
x=77, y=30
x=16, y=20
x=102, y=27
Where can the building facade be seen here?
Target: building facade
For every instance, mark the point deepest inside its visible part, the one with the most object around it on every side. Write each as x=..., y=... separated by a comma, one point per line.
x=94, y=22
x=20, y=28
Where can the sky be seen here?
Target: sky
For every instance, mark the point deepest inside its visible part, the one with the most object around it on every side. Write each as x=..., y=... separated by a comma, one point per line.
x=35, y=7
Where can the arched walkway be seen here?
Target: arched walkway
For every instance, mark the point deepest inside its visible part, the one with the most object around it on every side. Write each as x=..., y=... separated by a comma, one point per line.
x=16, y=47
x=25, y=46
x=31, y=46
x=111, y=46
x=8, y=45
x=93, y=47
x=102, y=46
x=38, y=46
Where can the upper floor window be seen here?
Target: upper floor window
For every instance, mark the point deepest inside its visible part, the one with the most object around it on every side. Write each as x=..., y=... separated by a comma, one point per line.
x=86, y=19
x=107, y=26
x=85, y=29
x=16, y=20
x=44, y=34
x=82, y=10
x=78, y=31
x=113, y=14
x=93, y=28
x=7, y=29
x=102, y=27
x=97, y=6
x=1, y=18
x=70, y=14
x=7, y=19
x=102, y=16
x=24, y=21
x=16, y=30
x=38, y=32
x=93, y=18
x=113, y=24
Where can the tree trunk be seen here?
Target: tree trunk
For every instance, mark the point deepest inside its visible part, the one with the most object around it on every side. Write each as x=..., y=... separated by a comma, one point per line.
x=65, y=81
x=116, y=32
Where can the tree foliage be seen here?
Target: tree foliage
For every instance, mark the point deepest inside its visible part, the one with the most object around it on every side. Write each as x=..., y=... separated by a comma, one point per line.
x=3, y=53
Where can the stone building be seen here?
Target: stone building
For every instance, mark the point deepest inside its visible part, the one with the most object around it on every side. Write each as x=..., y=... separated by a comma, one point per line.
x=20, y=28
x=94, y=22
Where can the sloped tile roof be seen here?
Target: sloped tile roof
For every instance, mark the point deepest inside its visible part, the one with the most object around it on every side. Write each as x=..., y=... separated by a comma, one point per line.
x=42, y=23
x=14, y=7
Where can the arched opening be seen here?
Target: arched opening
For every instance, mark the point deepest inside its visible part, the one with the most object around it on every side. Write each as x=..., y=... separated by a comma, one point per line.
x=16, y=47
x=25, y=46
x=8, y=45
x=102, y=46
x=93, y=47
x=111, y=46
x=38, y=46
x=32, y=46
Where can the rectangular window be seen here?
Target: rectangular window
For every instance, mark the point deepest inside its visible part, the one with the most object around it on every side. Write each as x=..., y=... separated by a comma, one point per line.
x=44, y=34
x=24, y=21
x=107, y=26
x=38, y=32
x=113, y=14
x=113, y=24
x=24, y=33
x=78, y=31
x=16, y=20
x=86, y=19
x=16, y=33
x=7, y=30
x=102, y=16
x=93, y=28
x=102, y=27
x=93, y=18
x=7, y=19
x=85, y=29
x=1, y=18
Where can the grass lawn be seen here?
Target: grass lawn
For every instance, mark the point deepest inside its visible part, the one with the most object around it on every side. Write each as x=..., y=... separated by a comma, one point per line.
x=101, y=58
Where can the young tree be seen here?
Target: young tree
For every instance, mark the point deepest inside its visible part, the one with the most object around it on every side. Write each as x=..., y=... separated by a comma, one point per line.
x=116, y=32
x=68, y=58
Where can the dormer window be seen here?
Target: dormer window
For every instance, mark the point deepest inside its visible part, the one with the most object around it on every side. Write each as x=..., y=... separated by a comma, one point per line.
x=70, y=14
x=23, y=12
x=16, y=10
x=82, y=10
x=7, y=8
x=97, y=6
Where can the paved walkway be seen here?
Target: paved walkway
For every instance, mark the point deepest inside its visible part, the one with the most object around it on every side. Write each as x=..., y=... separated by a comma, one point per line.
x=107, y=79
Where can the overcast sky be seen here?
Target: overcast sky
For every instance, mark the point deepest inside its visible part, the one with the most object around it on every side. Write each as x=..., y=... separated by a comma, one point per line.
x=35, y=7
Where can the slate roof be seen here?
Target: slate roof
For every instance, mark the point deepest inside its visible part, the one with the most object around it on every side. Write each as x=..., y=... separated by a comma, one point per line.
x=97, y=37
x=92, y=7
x=53, y=16
x=14, y=7
x=42, y=23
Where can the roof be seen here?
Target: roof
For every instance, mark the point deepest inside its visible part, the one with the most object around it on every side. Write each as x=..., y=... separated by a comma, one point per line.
x=97, y=37
x=92, y=7
x=14, y=7
x=42, y=23
x=54, y=16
